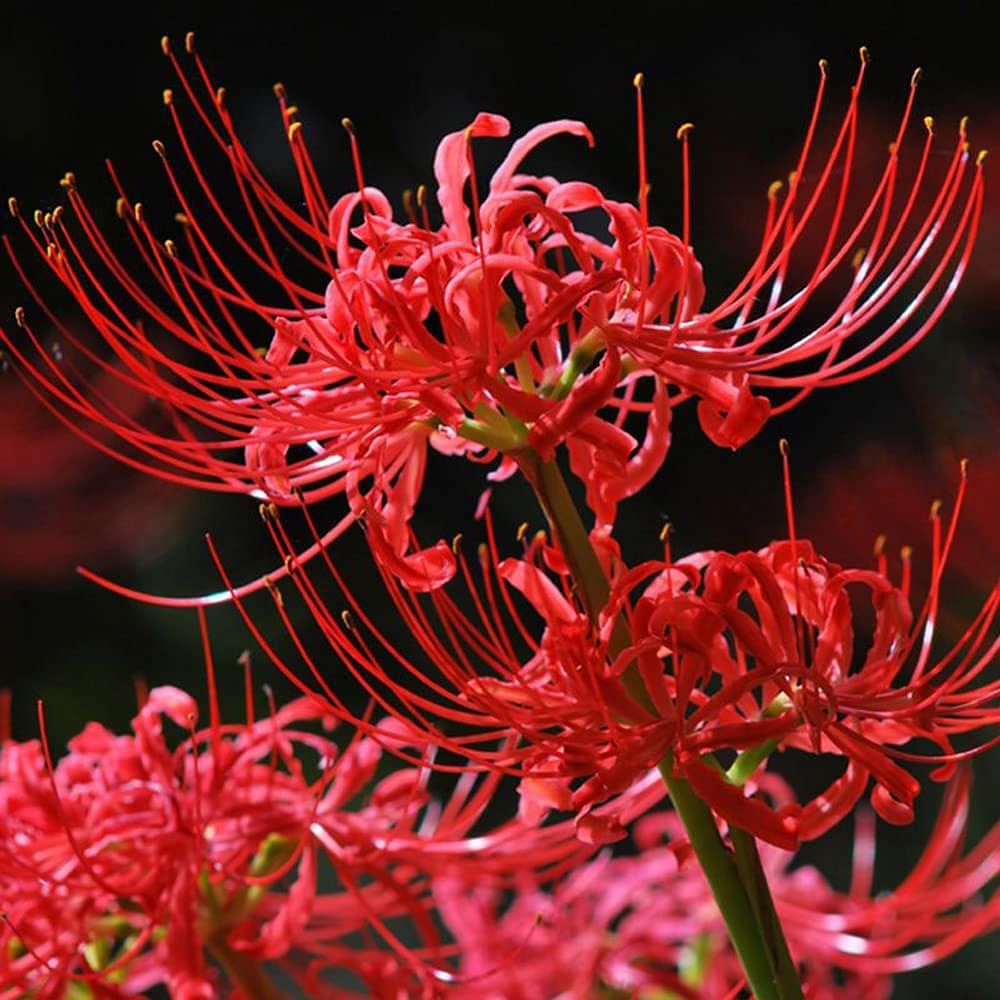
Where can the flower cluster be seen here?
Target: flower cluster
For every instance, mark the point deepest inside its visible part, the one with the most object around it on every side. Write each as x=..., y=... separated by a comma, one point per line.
x=503, y=328
x=133, y=861
x=745, y=653
x=645, y=925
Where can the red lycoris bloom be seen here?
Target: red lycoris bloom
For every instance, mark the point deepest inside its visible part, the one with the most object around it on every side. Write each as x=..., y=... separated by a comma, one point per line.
x=643, y=925
x=541, y=705
x=747, y=652
x=507, y=325
x=760, y=651
x=131, y=861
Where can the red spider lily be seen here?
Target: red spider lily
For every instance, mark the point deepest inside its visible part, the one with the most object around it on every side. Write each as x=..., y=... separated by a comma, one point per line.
x=638, y=926
x=540, y=705
x=125, y=863
x=748, y=652
x=761, y=654
x=505, y=327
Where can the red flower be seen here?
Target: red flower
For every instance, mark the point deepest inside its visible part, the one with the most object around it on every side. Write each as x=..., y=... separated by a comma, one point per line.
x=504, y=327
x=759, y=651
x=542, y=704
x=640, y=925
x=131, y=859
x=748, y=652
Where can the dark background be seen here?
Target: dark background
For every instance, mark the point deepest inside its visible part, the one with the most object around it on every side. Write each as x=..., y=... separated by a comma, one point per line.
x=84, y=84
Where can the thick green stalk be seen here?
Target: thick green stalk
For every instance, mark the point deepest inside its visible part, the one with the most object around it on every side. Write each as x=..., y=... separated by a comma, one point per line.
x=731, y=897
x=739, y=887
x=759, y=893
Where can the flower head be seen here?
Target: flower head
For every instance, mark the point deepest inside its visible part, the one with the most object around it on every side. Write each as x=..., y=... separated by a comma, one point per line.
x=637, y=926
x=742, y=653
x=133, y=861
x=505, y=325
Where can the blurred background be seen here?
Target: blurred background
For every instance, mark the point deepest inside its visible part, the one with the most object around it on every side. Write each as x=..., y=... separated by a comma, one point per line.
x=869, y=458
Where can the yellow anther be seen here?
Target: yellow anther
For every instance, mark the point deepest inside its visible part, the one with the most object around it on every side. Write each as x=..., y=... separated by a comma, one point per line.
x=963, y=126
x=773, y=188
x=684, y=129
x=168, y=97
x=290, y=563
x=348, y=619
x=864, y=53
x=263, y=511
x=182, y=219
x=879, y=546
x=272, y=509
x=121, y=207
x=159, y=148
x=19, y=316
x=57, y=214
x=783, y=446
x=165, y=45
x=929, y=124
x=189, y=43
x=137, y=212
x=964, y=467
x=665, y=531
x=39, y=218
x=68, y=180
x=935, y=508
x=859, y=256
x=220, y=96
x=905, y=552
x=638, y=80
x=793, y=178
x=456, y=543
x=348, y=125
x=823, y=66
x=522, y=530
x=917, y=74
x=293, y=130
x=171, y=247
x=279, y=91
x=275, y=593
x=12, y=206
x=980, y=156
x=291, y=110
x=421, y=195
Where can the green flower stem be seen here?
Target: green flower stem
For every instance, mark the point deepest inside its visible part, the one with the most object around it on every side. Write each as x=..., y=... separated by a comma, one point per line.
x=742, y=769
x=752, y=872
x=584, y=567
x=723, y=876
x=738, y=885
x=759, y=892
x=243, y=972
